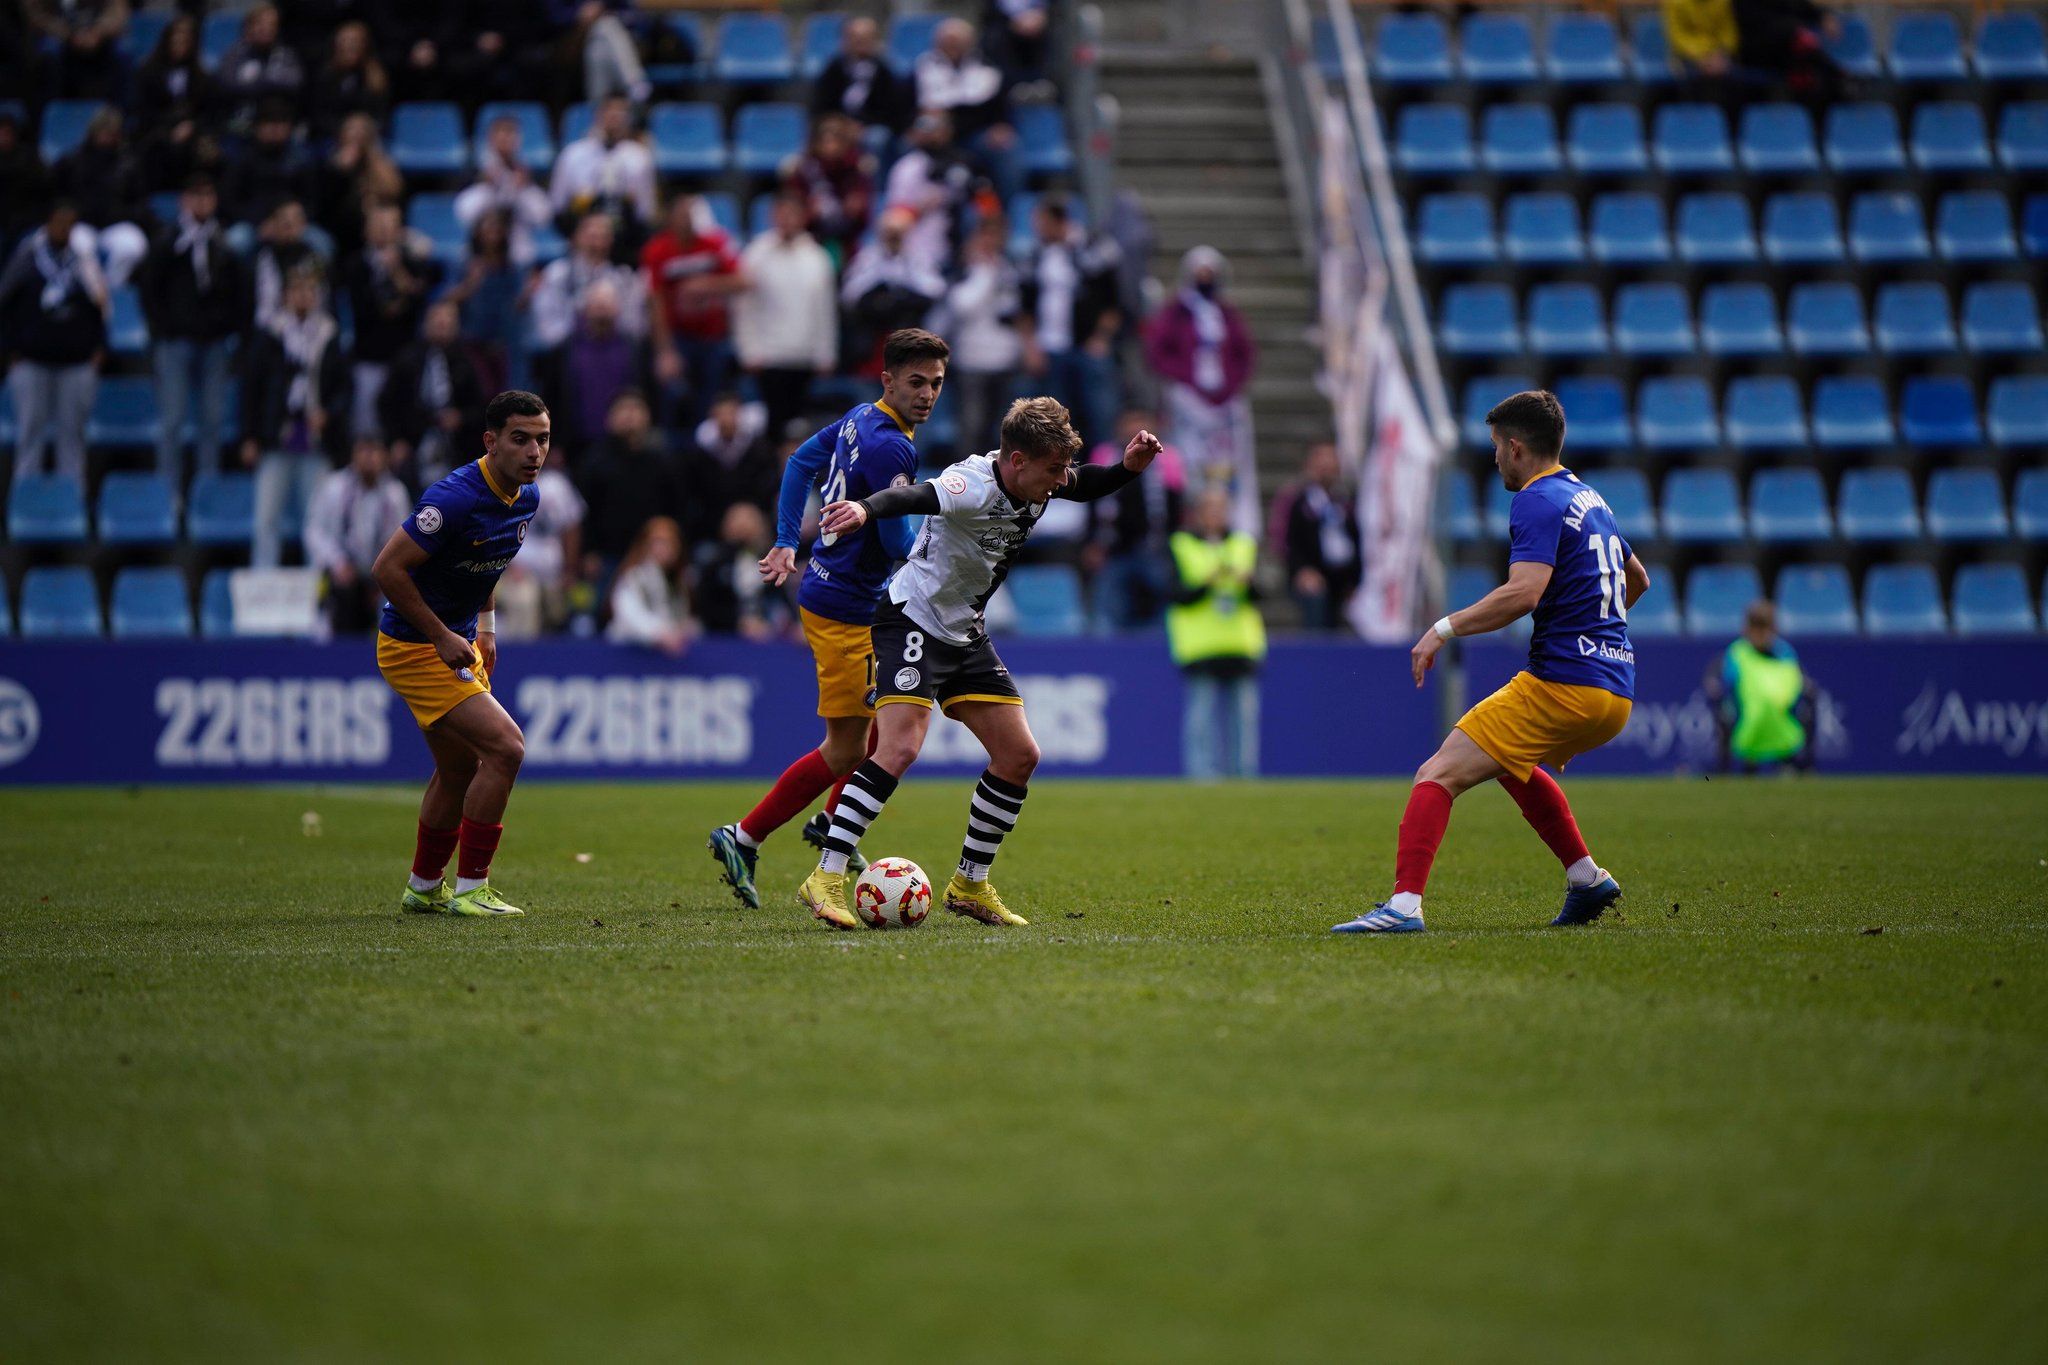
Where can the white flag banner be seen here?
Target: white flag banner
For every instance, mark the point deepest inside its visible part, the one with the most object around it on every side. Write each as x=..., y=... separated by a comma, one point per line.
x=1396, y=504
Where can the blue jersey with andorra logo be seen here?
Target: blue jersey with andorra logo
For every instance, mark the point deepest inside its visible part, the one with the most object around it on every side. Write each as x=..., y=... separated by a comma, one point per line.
x=470, y=528
x=1582, y=620
x=871, y=452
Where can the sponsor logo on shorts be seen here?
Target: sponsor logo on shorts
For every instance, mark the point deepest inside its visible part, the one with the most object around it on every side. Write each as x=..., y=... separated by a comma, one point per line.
x=428, y=519
x=907, y=678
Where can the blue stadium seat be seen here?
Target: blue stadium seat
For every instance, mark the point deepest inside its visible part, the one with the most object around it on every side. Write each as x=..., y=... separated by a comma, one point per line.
x=1457, y=509
x=1913, y=318
x=753, y=49
x=1519, y=139
x=1926, y=47
x=576, y=121
x=1877, y=504
x=1499, y=506
x=1653, y=320
x=1991, y=599
x=220, y=509
x=689, y=35
x=1467, y=584
x=689, y=139
x=1802, y=229
x=536, y=131
x=2023, y=136
x=1497, y=49
x=2030, y=503
x=1048, y=599
x=2000, y=318
x=1939, y=410
x=1702, y=505
x=1434, y=139
x=1714, y=228
x=1740, y=319
x=1675, y=412
x=1412, y=49
x=123, y=412
x=433, y=215
x=1966, y=504
x=1777, y=139
x=1628, y=229
x=1456, y=229
x=1692, y=139
x=1902, y=599
x=1481, y=394
x=1764, y=412
x=1596, y=414
x=427, y=138
x=1816, y=599
x=1863, y=139
x=819, y=43
x=150, y=603
x=1042, y=140
x=1789, y=505
x=217, y=34
x=7, y=424
x=2017, y=412
x=2034, y=226
x=910, y=35
x=1543, y=229
x=217, y=604
x=1627, y=494
x=766, y=135
x=1948, y=135
x=724, y=211
x=46, y=509
x=145, y=29
x=1582, y=49
x=2009, y=48
x=64, y=127
x=1975, y=225
x=1853, y=49
x=1655, y=615
x=1567, y=320
x=1649, y=51
x=59, y=603
x=1479, y=319
x=1717, y=595
x=1826, y=319
x=1850, y=413
x=137, y=509
x=1887, y=227
x=760, y=216
x=127, y=330
x=1606, y=139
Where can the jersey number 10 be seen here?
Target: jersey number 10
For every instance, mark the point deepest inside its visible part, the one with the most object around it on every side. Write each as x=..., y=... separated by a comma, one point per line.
x=1613, y=584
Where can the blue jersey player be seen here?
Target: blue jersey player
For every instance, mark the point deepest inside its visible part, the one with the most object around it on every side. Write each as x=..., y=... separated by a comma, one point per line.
x=862, y=453
x=437, y=646
x=1569, y=563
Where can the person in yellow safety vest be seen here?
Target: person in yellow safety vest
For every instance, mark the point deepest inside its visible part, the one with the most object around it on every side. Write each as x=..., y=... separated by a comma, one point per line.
x=1218, y=641
x=1763, y=700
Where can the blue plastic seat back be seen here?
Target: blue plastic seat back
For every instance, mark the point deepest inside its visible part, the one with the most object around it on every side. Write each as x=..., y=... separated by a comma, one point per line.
x=1411, y=49
x=1975, y=225
x=218, y=32
x=1850, y=413
x=910, y=35
x=1042, y=139
x=1991, y=599
x=1567, y=319
x=1627, y=494
x=46, y=509
x=1676, y=412
x=220, y=509
x=1853, y=48
x=1717, y=595
x=1966, y=504
x=1948, y=135
x=432, y=214
x=536, y=130
x=59, y=602
x=1777, y=139
x=217, y=604
x=2030, y=503
x=1655, y=614
x=1939, y=411
x=1582, y=49
x=1863, y=138
x=1048, y=599
x=2016, y=411
x=1542, y=228
x=2001, y=317
x=1434, y=139
x=1714, y=228
x=427, y=138
x=1479, y=319
x=1653, y=319
x=1926, y=47
x=1877, y=504
x=1764, y=412
x=1457, y=508
x=1789, y=504
x=1595, y=413
x=689, y=139
x=1628, y=229
x=1816, y=599
x=64, y=124
x=1456, y=229
x=753, y=49
x=127, y=329
x=765, y=135
x=150, y=603
x=1887, y=227
x=137, y=509
x=2009, y=47
x=1519, y=139
x=1606, y=139
x=1827, y=319
x=123, y=412
x=1702, y=505
x=1692, y=139
x=2023, y=136
x=1497, y=49
x=1913, y=318
x=1902, y=599
x=1740, y=318
x=820, y=43
x=1802, y=228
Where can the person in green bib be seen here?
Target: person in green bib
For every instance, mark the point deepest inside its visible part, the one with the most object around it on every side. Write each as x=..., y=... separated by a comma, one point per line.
x=1218, y=641
x=1763, y=702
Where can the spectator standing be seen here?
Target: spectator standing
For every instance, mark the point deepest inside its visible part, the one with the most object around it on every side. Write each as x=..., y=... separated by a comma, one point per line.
x=1019, y=34
x=270, y=169
x=387, y=285
x=1763, y=701
x=350, y=517
x=84, y=38
x=492, y=295
x=53, y=322
x=259, y=69
x=732, y=598
x=494, y=49
x=981, y=314
x=559, y=291
x=1218, y=641
x=731, y=461
x=195, y=298
x=650, y=603
x=1070, y=316
x=102, y=177
x=352, y=81
x=294, y=410
x=172, y=85
x=601, y=45
x=357, y=174
x=1201, y=349
x=505, y=182
x=935, y=180
x=859, y=83
x=836, y=178
x=430, y=403
x=1127, y=558
x=283, y=245
x=692, y=272
x=786, y=323
x=956, y=80
x=596, y=362
x=1317, y=521
x=628, y=476
x=886, y=287
x=609, y=171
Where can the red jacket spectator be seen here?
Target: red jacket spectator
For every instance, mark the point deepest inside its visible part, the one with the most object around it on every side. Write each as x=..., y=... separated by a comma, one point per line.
x=691, y=269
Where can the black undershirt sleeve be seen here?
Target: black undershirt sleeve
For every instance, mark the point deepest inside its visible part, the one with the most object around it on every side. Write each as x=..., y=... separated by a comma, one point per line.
x=903, y=502
x=1096, y=481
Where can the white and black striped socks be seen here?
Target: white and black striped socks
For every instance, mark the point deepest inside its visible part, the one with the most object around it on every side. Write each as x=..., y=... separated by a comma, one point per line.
x=860, y=801
x=991, y=813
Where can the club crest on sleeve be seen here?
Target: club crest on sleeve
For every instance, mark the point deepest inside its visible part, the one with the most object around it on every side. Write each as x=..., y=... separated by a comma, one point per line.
x=428, y=519
x=956, y=484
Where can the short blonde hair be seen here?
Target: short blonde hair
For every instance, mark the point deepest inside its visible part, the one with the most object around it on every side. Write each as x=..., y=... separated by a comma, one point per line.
x=1038, y=427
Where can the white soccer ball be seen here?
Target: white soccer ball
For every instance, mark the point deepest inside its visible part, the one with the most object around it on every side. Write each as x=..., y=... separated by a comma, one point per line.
x=893, y=893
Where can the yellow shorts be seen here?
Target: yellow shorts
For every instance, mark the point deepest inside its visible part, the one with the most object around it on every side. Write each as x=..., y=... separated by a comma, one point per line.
x=846, y=665
x=431, y=688
x=1530, y=721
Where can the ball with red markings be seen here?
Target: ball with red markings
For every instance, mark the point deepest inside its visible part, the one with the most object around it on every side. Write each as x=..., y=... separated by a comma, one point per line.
x=893, y=893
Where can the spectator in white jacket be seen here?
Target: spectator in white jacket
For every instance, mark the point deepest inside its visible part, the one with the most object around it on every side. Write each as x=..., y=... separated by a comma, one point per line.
x=347, y=523
x=980, y=319
x=559, y=294
x=650, y=604
x=608, y=170
x=786, y=323
x=504, y=181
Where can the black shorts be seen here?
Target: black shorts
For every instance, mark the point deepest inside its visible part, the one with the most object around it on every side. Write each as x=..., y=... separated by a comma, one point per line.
x=914, y=666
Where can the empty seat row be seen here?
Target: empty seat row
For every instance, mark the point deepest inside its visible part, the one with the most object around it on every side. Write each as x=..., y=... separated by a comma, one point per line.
x=124, y=413
x=1675, y=413
x=1803, y=227
x=135, y=509
x=1999, y=317
x=1694, y=139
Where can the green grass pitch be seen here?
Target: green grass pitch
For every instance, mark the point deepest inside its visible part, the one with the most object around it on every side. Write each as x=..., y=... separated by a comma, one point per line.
x=248, y=1111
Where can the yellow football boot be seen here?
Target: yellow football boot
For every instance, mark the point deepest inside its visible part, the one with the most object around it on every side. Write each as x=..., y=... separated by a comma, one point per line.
x=978, y=900
x=824, y=895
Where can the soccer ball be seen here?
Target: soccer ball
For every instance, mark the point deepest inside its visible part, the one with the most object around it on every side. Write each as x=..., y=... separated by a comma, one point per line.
x=893, y=893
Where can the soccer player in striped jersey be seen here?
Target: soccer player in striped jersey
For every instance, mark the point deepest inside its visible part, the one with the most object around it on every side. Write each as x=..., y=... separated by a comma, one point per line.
x=1568, y=563
x=932, y=645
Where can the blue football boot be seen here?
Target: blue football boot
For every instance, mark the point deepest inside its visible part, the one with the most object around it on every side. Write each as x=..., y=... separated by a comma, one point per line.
x=1584, y=904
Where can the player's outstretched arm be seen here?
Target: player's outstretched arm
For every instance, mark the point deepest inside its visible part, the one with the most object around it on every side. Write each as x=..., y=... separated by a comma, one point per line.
x=1505, y=605
x=842, y=517
x=393, y=571
x=1094, y=481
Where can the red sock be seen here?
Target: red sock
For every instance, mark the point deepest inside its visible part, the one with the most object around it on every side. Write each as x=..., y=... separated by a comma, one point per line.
x=840, y=785
x=798, y=786
x=1422, y=829
x=1549, y=814
x=479, y=843
x=430, y=853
